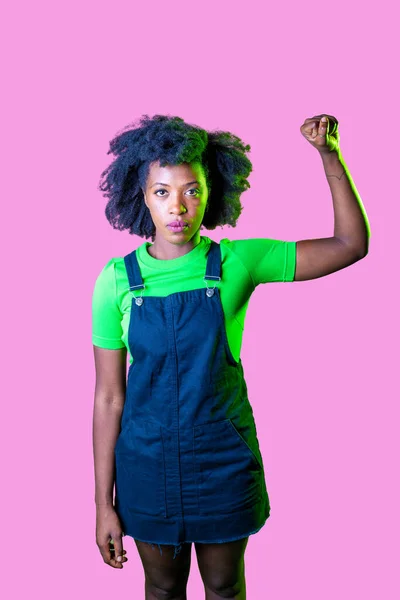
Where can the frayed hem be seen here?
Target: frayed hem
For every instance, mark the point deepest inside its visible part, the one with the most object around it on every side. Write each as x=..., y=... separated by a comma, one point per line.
x=233, y=539
x=177, y=548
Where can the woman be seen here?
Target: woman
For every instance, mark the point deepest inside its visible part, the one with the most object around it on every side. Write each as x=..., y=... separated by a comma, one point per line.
x=177, y=436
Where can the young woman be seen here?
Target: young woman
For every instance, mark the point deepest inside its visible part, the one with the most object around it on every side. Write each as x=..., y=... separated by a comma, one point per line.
x=177, y=435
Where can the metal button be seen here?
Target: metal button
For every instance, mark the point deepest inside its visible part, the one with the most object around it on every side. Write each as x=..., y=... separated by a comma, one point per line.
x=210, y=292
x=139, y=301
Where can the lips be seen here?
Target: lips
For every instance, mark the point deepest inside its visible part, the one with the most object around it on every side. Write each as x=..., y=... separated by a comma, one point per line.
x=177, y=225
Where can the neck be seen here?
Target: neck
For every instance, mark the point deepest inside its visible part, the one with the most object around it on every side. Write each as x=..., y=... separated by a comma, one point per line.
x=165, y=250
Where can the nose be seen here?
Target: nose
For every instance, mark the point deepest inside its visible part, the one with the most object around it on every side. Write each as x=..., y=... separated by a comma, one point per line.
x=176, y=206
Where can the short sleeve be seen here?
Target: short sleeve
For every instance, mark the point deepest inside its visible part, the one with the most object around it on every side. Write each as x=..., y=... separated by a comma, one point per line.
x=267, y=260
x=106, y=315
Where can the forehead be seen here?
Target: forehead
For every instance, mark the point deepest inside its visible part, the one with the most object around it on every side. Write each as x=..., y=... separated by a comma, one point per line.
x=175, y=172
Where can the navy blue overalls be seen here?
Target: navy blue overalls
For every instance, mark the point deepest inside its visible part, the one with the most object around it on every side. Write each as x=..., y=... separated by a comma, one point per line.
x=188, y=467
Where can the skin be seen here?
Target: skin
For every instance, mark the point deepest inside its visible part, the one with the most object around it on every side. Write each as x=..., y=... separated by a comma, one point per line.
x=349, y=243
x=314, y=258
x=178, y=199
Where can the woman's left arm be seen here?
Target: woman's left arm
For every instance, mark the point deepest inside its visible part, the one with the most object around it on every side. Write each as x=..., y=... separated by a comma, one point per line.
x=319, y=257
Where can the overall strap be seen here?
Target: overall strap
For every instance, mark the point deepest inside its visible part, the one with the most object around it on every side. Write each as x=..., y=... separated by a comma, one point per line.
x=133, y=271
x=213, y=268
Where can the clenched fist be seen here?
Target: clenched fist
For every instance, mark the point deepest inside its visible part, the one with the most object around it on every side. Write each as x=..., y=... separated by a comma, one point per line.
x=322, y=133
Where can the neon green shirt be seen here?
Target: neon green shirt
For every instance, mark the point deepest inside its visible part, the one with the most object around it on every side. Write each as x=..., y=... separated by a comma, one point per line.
x=245, y=264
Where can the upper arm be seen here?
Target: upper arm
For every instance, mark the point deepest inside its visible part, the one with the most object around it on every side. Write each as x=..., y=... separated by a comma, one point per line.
x=319, y=257
x=106, y=314
x=110, y=368
x=109, y=350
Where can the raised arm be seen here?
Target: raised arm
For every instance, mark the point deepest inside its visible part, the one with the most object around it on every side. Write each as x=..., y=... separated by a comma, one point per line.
x=319, y=257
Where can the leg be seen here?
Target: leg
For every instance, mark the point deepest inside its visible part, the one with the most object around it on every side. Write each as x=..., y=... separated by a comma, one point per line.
x=166, y=572
x=222, y=569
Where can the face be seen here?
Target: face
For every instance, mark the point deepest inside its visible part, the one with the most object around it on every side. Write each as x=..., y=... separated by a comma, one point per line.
x=176, y=194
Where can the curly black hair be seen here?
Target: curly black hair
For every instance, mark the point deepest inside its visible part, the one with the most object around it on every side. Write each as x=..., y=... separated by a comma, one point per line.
x=170, y=140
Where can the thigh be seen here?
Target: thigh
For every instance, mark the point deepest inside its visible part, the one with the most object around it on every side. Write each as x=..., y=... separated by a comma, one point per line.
x=222, y=565
x=164, y=569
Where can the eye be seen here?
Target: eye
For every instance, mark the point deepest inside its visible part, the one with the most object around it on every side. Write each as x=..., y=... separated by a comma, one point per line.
x=161, y=190
x=194, y=190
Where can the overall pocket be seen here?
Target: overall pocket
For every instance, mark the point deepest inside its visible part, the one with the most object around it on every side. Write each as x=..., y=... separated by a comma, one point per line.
x=229, y=476
x=139, y=469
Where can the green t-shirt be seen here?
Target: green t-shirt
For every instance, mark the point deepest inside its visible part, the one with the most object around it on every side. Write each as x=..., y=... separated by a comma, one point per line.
x=245, y=264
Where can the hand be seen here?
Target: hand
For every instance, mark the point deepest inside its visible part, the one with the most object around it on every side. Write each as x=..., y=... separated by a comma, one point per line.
x=109, y=536
x=323, y=135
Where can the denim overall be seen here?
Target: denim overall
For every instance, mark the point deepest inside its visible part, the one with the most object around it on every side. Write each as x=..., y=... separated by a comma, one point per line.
x=188, y=467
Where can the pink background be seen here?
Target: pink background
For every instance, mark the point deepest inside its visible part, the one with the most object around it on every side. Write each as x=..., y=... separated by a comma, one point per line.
x=321, y=357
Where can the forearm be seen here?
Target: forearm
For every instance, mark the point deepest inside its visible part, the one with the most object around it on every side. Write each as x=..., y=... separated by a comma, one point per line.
x=106, y=427
x=351, y=222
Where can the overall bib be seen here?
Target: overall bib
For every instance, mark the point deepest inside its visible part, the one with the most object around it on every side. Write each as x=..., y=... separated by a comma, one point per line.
x=188, y=466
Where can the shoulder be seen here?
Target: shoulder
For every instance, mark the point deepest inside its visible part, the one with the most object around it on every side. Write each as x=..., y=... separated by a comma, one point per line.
x=110, y=274
x=234, y=252
x=242, y=247
x=107, y=271
x=237, y=245
x=248, y=246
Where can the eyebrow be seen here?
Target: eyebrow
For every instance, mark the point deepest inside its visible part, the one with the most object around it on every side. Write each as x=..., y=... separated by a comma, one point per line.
x=166, y=184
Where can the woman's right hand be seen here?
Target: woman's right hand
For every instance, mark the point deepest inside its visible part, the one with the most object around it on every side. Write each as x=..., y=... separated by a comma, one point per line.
x=109, y=536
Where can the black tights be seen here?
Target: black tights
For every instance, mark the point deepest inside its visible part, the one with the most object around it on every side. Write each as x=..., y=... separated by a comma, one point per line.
x=167, y=568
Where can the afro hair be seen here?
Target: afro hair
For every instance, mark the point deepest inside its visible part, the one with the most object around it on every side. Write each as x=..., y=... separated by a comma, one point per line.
x=170, y=140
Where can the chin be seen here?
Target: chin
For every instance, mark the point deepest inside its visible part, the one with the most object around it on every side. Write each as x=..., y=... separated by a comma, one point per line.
x=177, y=238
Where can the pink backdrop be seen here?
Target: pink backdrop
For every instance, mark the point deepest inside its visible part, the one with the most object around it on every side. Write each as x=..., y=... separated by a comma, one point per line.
x=320, y=357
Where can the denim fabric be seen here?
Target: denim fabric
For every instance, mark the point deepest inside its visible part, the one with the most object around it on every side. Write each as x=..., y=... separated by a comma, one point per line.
x=188, y=466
